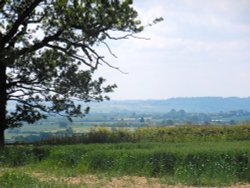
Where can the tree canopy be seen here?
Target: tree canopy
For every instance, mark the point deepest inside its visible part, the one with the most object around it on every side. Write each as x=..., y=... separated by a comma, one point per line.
x=48, y=57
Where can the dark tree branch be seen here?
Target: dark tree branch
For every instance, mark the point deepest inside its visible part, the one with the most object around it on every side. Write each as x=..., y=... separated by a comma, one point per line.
x=27, y=82
x=64, y=50
x=40, y=44
x=20, y=21
x=37, y=20
x=26, y=103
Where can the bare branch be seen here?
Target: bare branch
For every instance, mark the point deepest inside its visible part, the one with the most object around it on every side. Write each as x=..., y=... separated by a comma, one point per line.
x=142, y=38
x=117, y=38
x=127, y=36
x=109, y=49
x=113, y=67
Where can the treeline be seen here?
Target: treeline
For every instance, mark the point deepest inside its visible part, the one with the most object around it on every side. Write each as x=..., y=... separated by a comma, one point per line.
x=40, y=136
x=153, y=134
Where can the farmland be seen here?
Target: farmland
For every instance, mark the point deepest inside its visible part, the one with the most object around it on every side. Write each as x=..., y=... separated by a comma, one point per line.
x=129, y=120
x=220, y=156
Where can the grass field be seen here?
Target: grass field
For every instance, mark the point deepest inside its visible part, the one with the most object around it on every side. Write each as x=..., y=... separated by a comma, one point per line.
x=217, y=161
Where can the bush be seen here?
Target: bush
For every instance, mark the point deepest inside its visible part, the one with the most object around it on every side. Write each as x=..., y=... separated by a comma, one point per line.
x=14, y=156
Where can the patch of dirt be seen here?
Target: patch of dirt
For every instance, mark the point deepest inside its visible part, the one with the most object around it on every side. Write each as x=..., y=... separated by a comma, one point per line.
x=106, y=182
x=239, y=186
x=92, y=181
x=136, y=182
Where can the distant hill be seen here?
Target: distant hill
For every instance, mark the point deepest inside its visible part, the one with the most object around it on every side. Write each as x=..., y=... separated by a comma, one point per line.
x=194, y=104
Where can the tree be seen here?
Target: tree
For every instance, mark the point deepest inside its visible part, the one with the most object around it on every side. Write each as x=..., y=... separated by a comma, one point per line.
x=142, y=120
x=63, y=124
x=48, y=57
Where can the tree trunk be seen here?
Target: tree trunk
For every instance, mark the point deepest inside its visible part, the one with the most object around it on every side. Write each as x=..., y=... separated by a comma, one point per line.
x=1, y=138
x=3, y=102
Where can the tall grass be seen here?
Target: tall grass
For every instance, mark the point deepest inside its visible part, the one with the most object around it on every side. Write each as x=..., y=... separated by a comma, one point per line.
x=197, y=155
x=16, y=179
x=194, y=163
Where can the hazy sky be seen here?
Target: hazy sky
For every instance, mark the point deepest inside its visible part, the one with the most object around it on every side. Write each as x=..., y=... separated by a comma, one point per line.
x=202, y=48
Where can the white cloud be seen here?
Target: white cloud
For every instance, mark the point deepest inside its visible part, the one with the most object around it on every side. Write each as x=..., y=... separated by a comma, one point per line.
x=201, y=48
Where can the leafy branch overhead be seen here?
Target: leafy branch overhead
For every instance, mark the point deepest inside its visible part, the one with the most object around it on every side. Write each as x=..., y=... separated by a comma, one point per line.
x=47, y=54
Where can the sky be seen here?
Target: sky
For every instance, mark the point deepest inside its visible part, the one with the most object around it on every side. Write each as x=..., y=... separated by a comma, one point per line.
x=202, y=48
